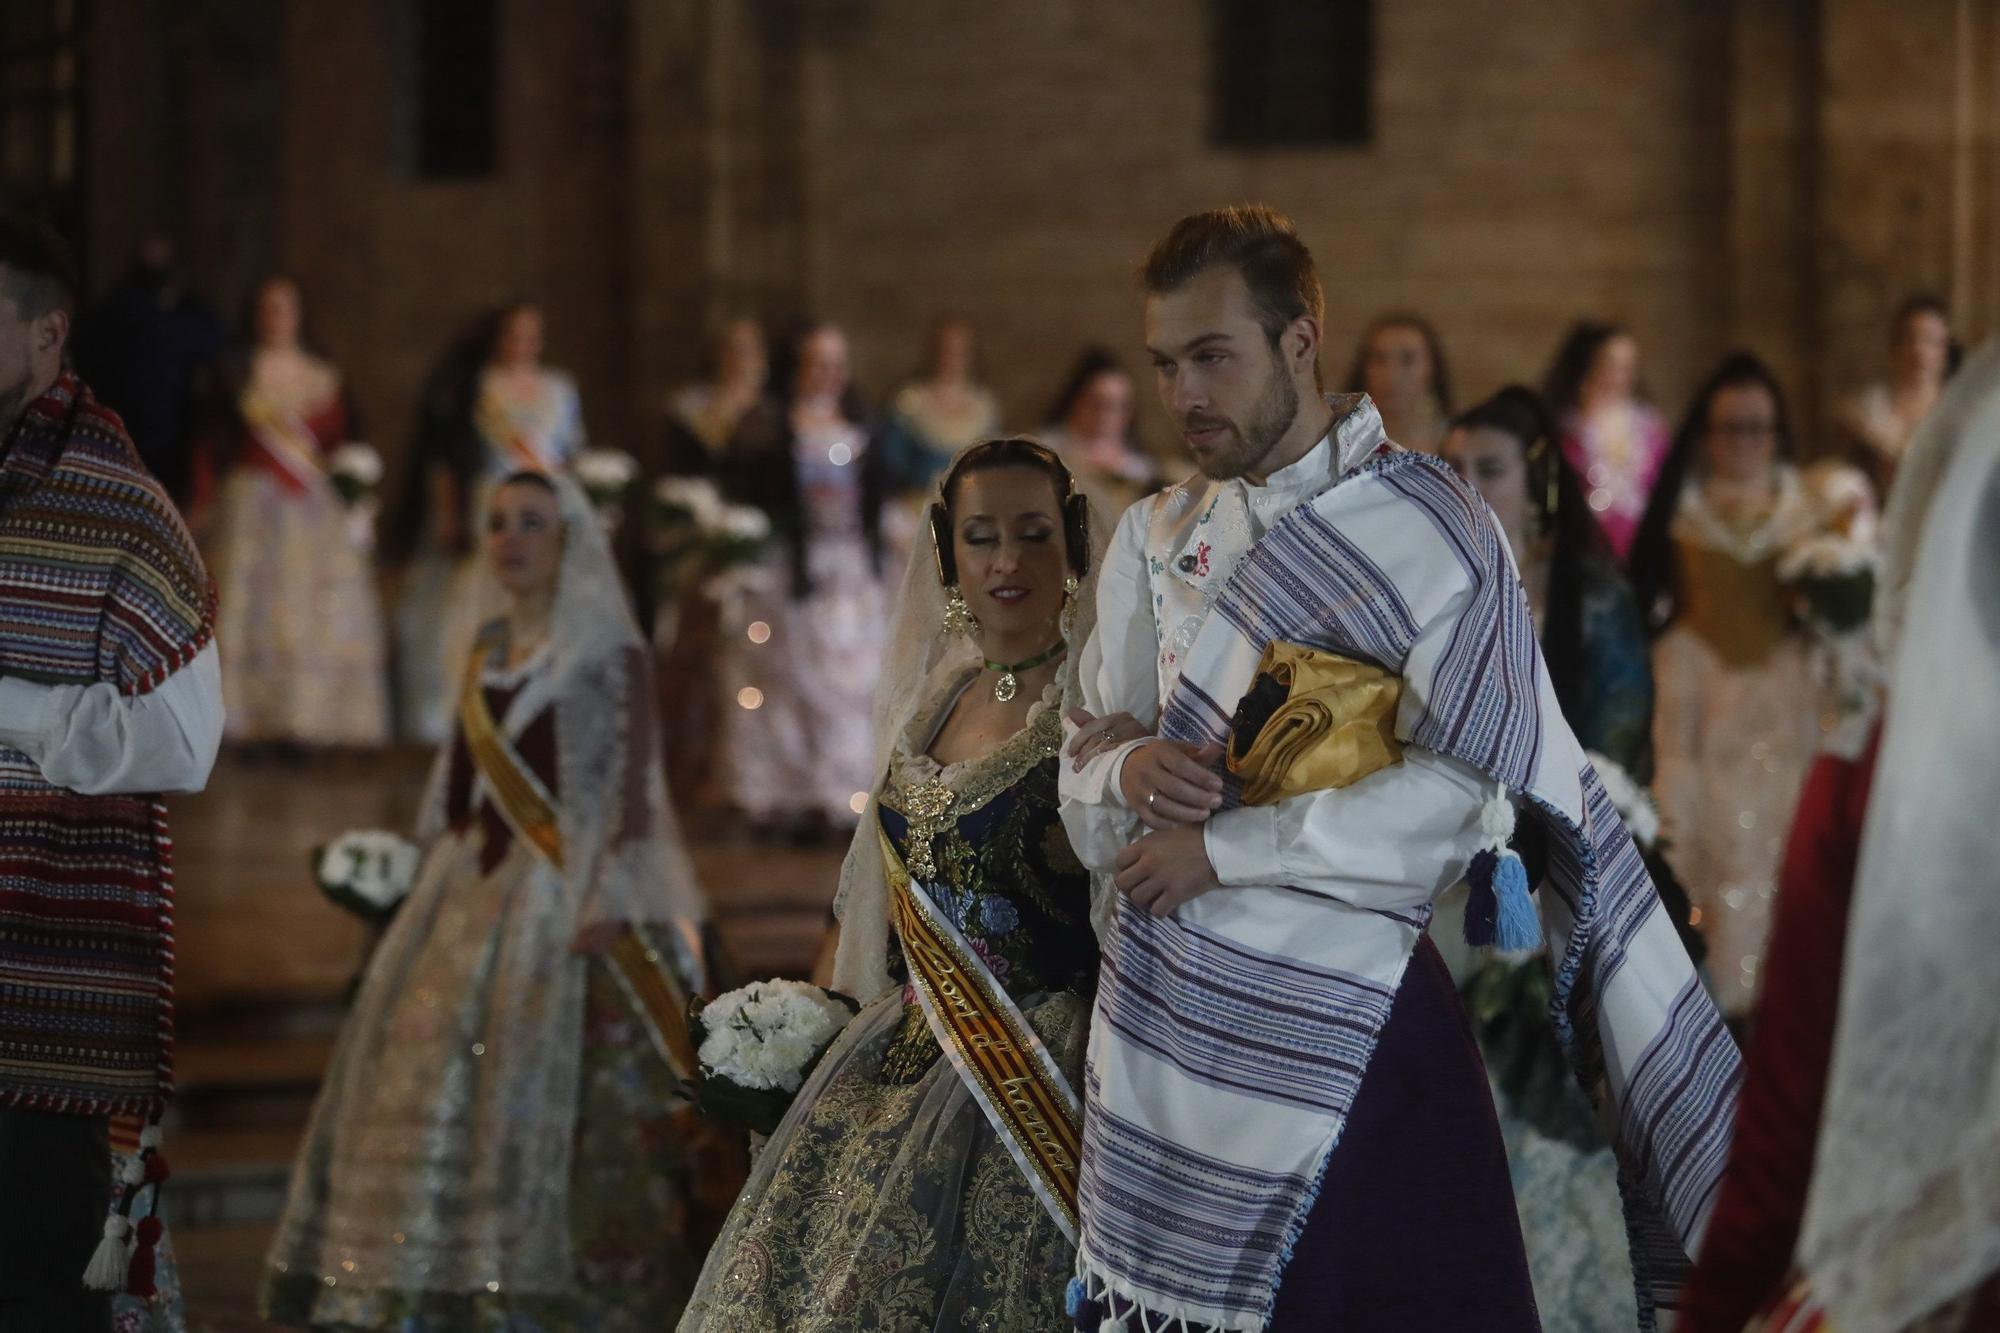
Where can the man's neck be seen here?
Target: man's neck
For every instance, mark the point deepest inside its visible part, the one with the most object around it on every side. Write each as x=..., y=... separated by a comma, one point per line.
x=1308, y=428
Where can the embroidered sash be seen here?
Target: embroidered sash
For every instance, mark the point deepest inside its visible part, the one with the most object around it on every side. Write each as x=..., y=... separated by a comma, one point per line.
x=643, y=971
x=1004, y=1064
x=285, y=441
x=522, y=800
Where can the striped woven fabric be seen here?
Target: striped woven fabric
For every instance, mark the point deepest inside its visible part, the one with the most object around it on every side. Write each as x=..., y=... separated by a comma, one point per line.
x=1228, y=1050
x=99, y=582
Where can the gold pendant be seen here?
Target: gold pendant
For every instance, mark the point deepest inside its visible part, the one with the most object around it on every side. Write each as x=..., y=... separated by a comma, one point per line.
x=1005, y=687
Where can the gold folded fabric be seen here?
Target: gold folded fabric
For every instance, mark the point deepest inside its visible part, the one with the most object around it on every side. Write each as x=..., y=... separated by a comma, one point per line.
x=1336, y=726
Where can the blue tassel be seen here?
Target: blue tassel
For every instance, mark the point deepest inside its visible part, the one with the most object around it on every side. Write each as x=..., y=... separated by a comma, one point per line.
x=1517, y=927
x=1076, y=1297
x=1481, y=908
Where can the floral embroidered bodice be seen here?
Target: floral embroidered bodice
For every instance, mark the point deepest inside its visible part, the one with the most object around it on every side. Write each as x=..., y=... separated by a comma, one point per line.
x=985, y=840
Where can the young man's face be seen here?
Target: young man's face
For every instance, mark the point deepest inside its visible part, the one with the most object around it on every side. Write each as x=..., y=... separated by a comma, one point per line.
x=1219, y=376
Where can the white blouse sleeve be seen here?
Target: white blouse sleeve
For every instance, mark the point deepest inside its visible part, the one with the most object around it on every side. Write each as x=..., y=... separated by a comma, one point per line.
x=1395, y=839
x=94, y=740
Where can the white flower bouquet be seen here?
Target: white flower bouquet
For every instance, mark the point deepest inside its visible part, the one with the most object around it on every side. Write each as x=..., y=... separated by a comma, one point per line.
x=367, y=871
x=355, y=470
x=1830, y=567
x=756, y=1045
x=696, y=534
x=607, y=476
x=1833, y=577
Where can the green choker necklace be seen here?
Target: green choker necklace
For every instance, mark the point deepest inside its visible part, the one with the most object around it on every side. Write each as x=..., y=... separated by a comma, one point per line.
x=1008, y=686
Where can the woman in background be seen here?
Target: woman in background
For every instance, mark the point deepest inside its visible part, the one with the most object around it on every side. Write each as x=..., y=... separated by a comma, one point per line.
x=1399, y=363
x=1611, y=435
x=1739, y=703
x=943, y=410
x=805, y=645
x=1882, y=417
x=1090, y=425
x=702, y=418
x=493, y=1146
x=298, y=622
x=491, y=408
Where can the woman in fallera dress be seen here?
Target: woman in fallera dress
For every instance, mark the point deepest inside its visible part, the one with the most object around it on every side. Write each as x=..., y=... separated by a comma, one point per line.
x=494, y=1146
x=1739, y=702
x=943, y=410
x=702, y=418
x=796, y=750
x=902, y=1191
x=298, y=621
x=1611, y=435
x=490, y=409
x=1881, y=420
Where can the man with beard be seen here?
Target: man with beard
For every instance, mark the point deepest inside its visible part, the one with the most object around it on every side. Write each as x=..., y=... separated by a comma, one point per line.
x=1313, y=699
x=109, y=695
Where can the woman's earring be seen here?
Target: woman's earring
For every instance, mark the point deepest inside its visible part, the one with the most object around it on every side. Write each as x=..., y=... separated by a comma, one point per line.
x=1067, y=623
x=958, y=617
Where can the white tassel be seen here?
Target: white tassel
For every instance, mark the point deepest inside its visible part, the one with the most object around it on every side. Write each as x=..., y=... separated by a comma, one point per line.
x=113, y=1258
x=133, y=1171
x=149, y=1137
x=1496, y=820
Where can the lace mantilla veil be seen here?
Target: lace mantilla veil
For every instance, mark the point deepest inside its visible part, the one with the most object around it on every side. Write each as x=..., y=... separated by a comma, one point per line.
x=1904, y=1209
x=623, y=855
x=917, y=659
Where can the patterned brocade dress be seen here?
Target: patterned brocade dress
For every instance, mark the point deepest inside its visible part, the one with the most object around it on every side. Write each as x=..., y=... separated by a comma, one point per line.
x=495, y=1148
x=885, y=1202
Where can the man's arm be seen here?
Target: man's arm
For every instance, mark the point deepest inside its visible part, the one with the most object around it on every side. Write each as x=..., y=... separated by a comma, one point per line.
x=1395, y=839
x=1118, y=672
x=94, y=740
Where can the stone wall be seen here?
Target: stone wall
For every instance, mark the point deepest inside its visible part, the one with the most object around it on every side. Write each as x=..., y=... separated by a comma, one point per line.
x=1770, y=172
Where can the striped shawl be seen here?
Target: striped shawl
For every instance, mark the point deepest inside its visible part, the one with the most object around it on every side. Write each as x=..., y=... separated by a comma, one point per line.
x=1229, y=1043
x=99, y=582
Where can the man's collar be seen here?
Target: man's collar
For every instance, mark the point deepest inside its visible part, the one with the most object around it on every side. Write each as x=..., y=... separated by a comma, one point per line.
x=1355, y=434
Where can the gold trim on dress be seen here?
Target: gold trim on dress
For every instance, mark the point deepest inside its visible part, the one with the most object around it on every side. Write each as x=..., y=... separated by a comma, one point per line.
x=998, y=1055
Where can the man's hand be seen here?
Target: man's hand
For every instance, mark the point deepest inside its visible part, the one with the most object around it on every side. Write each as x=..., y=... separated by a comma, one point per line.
x=1165, y=869
x=1096, y=735
x=1171, y=783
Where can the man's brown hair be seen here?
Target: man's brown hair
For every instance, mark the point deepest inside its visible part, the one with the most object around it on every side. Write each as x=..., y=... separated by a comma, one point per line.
x=1256, y=241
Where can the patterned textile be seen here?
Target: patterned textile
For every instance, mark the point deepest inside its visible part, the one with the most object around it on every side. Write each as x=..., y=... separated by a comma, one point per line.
x=99, y=582
x=1228, y=1053
x=885, y=1201
x=629, y=1184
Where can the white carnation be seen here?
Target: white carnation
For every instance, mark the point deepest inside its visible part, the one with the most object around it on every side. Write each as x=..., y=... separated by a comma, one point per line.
x=1826, y=555
x=744, y=522
x=764, y=1034
x=697, y=495
x=1629, y=799
x=606, y=469
x=375, y=866
x=358, y=463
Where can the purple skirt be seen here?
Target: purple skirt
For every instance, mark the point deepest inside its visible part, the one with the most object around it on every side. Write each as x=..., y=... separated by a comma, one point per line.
x=1414, y=1229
